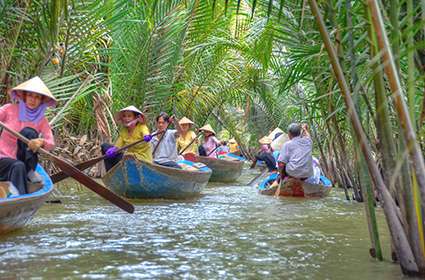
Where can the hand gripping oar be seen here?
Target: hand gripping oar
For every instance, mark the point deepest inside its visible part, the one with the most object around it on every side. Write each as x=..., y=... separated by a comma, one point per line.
x=57, y=177
x=78, y=175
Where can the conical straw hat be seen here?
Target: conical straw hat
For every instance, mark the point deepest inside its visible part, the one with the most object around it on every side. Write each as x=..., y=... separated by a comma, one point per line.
x=274, y=132
x=35, y=85
x=232, y=141
x=185, y=120
x=265, y=140
x=129, y=108
x=279, y=141
x=208, y=128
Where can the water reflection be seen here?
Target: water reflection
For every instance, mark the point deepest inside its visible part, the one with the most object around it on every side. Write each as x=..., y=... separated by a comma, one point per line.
x=229, y=232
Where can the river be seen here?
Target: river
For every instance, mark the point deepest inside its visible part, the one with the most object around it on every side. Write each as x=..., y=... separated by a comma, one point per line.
x=230, y=232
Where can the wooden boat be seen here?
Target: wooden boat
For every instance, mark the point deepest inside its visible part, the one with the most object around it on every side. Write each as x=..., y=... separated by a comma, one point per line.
x=223, y=170
x=296, y=188
x=136, y=179
x=16, y=211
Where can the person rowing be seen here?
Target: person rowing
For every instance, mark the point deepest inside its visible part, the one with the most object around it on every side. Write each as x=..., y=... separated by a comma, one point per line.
x=165, y=143
x=26, y=114
x=266, y=154
x=187, y=143
x=295, y=159
x=211, y=143
x=134, y=129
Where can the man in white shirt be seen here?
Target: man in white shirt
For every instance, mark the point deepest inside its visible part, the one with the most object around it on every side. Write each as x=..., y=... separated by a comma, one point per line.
x=165, y=151
x=295, y=159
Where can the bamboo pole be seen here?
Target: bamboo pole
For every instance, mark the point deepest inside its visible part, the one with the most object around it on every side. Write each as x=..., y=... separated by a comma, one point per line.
x=364, y=182
x=387, y=146
x=414, y=206
x=408, y=130
x=394, y=12
x=342, y=176
x=407, y=260
x=369, y=205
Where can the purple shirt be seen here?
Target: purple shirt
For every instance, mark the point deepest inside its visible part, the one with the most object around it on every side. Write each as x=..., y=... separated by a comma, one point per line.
x=209, y=145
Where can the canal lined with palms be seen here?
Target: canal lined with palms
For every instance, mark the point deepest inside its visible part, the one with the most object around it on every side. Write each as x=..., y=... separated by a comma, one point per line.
x=229, y=232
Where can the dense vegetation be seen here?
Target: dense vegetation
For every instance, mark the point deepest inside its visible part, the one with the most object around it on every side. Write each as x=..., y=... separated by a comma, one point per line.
x=247, y=67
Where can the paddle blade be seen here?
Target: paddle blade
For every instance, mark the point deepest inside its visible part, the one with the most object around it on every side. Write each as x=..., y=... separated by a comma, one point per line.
x=94, y=186
x=57, y=177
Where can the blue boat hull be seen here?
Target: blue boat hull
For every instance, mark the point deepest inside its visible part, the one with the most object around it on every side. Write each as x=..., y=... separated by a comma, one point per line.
x=16, y=211
x=135, y=179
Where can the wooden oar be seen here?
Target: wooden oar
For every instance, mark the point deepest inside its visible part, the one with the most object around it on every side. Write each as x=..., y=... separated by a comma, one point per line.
x=160, y=140
x=57, y=177
x=78, y=175
x=253, y=181
x=216, y=147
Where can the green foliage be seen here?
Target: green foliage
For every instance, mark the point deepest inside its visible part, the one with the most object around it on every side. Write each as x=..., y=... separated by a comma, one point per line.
x=192, y=58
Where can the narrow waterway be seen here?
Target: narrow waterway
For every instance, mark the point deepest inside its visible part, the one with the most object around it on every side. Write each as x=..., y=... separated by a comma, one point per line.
x=231, y=232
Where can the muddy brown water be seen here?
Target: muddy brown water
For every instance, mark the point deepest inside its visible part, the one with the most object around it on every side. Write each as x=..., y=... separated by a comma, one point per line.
x=230, y=232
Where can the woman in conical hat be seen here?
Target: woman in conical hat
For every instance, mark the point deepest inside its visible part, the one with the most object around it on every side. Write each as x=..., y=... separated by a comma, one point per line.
x=187, y=136
x=209, y=147
x=134, y=129
x=27, y=115
x=266, y=154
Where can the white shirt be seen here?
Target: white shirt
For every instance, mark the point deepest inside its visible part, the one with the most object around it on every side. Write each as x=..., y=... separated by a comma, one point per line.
x=167, y=150
x=296, y=154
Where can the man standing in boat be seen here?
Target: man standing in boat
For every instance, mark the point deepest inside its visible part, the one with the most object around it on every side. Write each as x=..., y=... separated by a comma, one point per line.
x=295, y=159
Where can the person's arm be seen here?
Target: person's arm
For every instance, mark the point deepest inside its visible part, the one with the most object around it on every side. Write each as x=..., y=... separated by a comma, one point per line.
x=305, y=132
x=120, y=141
x=284, y=154
x=195, y=136
x=143, y=130
x=175, y=121
x=4, y=111
x=216, y=141
x=47, y=141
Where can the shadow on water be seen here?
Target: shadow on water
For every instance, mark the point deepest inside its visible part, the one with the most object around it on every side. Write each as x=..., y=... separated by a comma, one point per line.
x=229, y=232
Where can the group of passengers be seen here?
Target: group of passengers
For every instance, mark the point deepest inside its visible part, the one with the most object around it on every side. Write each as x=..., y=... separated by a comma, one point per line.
x=26, y=115
x=294, y=160
x=165, y=146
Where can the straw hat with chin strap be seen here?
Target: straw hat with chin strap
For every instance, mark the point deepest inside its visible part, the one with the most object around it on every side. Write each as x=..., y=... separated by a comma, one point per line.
x=118, y=115
x=185, y=120
x=207, y=128
x=34, y=85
